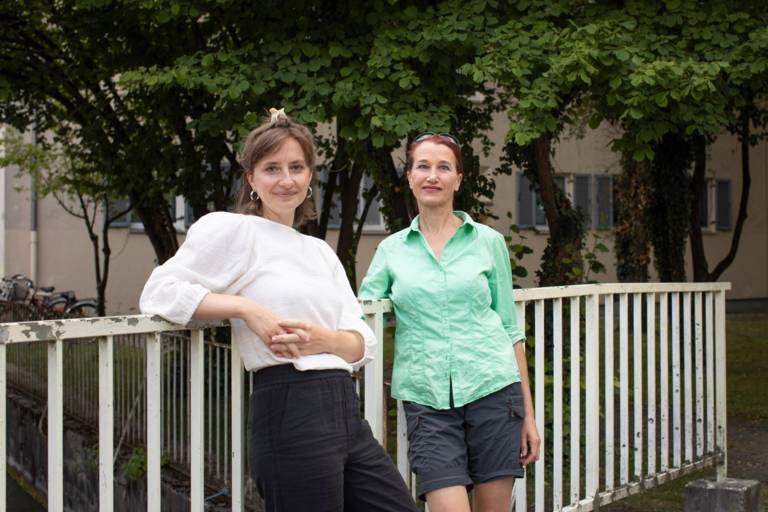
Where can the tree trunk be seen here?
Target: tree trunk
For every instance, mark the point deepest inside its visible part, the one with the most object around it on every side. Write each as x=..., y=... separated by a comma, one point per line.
x=697, y=186
x=632, y=238
x=346, y=247
x=746, y=182
x=158, y=226
x=670, y=206
x=562, y=262
x=701, y=269
x=397, y=206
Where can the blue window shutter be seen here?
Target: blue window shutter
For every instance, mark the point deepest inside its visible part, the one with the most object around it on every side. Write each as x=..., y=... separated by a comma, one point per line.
x=704, y=207
x=524, y=202
x=582, y=195
x=189, y=215
x=604, y=198
x=723, y=206
x=374, y=212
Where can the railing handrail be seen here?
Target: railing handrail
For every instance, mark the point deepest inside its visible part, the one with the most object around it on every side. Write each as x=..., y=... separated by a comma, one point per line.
x=64, y=329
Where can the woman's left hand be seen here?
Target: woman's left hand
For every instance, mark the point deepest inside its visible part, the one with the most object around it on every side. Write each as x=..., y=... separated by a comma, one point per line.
x=531, y=442
x=308, y=338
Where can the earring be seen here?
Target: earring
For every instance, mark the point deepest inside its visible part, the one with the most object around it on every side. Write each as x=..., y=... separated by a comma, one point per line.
x=254, y=196
x=309, y=193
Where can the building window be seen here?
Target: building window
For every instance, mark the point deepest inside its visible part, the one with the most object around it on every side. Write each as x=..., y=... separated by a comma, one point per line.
x=374, y=221
x=116, y=206
x=590, y=193
x=715, y=205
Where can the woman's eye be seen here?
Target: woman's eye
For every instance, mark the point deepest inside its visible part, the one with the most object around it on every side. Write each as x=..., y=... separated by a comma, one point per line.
x=271, y=170
x=297, y=168
x=422, y=166
x=445, y=168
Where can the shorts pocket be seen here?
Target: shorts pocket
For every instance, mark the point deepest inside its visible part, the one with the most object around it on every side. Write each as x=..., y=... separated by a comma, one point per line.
x=515, y=402
x=517, y=410
x=412, y=423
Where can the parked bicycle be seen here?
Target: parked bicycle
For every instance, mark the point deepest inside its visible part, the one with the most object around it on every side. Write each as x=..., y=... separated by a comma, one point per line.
x=21, y=290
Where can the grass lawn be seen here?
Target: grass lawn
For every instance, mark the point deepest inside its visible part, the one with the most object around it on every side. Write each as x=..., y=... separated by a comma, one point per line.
x=747, y=363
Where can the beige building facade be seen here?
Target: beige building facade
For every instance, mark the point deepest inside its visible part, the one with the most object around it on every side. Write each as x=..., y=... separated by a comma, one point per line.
x=59, y=253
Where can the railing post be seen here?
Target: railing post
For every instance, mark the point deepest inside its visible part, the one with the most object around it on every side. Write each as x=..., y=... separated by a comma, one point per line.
x=722, y=433
x=609, y=392
x=55, y=425
x=557, y=403
x=196, y=423
x=575, y=403
x=106, y=423
x=592, y=400
x=539, y=388
x=698, y=366
x=237, y=429
x=3, y=412
x=374, y=381
x=623, y=389
x=520, y=498
x=637, y=383
x=664, y=382
x=154, y=441
x=650, y=420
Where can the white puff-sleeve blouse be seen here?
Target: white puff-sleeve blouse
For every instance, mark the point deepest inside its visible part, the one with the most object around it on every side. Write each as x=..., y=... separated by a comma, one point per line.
x=295, y=275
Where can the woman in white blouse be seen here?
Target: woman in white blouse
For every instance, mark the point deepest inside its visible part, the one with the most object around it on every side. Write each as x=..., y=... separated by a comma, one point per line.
x=297, y=324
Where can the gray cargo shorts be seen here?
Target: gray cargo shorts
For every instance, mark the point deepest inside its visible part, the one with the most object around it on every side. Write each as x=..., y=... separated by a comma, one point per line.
x=475, y=443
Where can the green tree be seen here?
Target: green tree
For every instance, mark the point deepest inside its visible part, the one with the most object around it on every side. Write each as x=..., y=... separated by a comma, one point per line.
x=543, y=79
x=673, y=76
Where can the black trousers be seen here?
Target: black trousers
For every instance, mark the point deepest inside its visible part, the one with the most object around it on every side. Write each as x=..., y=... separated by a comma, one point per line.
x=310, y=451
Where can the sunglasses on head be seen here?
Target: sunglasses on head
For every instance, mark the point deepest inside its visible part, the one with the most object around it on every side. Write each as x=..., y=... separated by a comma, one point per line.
x=445, y=136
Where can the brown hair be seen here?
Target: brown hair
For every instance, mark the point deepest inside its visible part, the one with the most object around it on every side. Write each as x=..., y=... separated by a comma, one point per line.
x=435, y=139
x=263, y=141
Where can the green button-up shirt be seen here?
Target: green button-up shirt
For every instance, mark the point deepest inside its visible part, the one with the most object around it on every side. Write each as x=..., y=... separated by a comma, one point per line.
x=456, y=322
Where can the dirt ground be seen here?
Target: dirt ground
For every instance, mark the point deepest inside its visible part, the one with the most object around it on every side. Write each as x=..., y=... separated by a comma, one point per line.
x=748, y=452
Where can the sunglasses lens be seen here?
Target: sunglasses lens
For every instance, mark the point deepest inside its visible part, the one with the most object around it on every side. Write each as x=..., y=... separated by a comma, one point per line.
x=420, y=137
x=447, y=136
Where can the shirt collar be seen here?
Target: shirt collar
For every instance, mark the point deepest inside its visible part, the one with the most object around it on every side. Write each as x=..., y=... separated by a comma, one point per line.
x=464, y=216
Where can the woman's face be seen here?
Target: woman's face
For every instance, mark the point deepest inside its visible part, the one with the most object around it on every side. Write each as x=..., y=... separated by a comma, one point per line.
x=281, y=181
x=433, y=177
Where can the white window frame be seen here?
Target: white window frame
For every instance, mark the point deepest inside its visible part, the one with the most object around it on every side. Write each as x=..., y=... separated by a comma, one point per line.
x=179, y=223
x=368, y=227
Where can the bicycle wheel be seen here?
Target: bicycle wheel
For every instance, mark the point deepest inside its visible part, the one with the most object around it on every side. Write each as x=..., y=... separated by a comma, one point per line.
x=82, y=309
x=57, y=304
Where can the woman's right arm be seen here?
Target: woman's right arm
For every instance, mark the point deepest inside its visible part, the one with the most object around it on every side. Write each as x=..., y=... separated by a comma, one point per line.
x=193, y=284
x=216, y=253
x=262, y=321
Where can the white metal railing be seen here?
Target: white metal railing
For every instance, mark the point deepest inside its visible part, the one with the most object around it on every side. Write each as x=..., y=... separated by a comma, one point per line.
x=581, y=337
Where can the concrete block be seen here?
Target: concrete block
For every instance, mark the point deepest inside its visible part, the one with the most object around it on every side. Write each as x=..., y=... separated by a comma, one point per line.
x=728, y=495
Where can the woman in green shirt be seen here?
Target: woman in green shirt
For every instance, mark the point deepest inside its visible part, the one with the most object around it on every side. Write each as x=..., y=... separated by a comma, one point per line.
x=459, y=366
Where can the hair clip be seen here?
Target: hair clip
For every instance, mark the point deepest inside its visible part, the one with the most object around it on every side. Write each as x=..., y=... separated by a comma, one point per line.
x=277, y=115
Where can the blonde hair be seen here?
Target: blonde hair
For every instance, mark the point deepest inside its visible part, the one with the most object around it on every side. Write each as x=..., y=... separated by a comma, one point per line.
x=263, y=141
